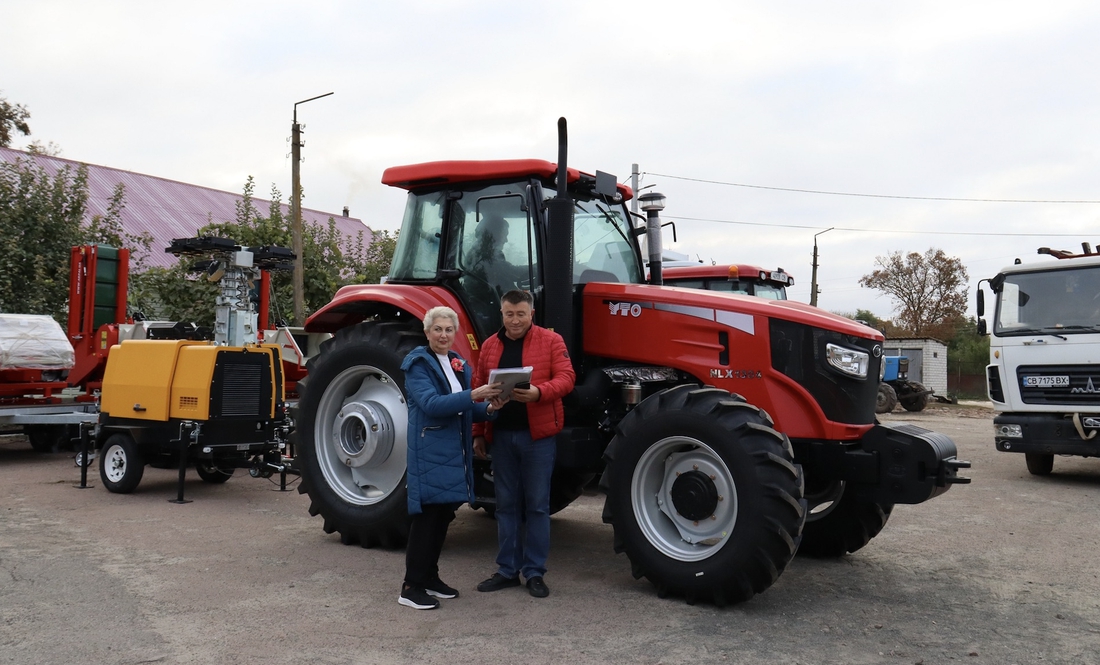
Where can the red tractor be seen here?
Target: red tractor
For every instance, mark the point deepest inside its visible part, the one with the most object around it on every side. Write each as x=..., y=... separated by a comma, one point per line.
x=730, y=431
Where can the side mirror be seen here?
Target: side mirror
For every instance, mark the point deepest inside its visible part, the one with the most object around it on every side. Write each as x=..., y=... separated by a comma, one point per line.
x=981, y=302
x=981, y=327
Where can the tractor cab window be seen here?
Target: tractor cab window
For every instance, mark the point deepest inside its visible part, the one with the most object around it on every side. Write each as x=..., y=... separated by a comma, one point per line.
x=602, y=251
x=493, y=248
x=417, y=253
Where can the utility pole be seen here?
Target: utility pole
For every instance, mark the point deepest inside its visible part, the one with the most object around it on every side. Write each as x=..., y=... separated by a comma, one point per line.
x=296, y=213
x=813, y=277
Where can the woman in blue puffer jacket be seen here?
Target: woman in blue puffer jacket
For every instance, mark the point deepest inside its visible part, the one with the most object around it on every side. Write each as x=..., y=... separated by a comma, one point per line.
x=442, y=409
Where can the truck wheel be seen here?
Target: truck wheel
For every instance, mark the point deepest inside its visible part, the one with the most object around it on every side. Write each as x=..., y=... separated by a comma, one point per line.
x=121, y=464
x=211, y=473
x=887, y=399
x=350, y=433
x=837, y=522
x=703, y=495
x=1039, y=464
x=915, y=403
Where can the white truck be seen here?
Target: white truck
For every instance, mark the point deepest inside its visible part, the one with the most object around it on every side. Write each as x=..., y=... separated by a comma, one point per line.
x=1043, y=375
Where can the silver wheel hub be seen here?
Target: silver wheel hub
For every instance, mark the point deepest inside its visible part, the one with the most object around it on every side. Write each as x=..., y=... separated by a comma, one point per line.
x=684, y=498
x=363, y=434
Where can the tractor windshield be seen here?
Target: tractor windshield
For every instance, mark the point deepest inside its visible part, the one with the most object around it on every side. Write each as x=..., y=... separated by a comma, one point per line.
x=1062, y=301
x=602, y=251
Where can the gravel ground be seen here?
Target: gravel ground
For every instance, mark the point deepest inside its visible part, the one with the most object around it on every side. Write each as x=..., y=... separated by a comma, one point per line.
x=1000, y=571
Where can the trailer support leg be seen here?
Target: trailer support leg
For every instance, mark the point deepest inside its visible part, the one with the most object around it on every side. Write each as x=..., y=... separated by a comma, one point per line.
x=84, y=461
x=184, y=440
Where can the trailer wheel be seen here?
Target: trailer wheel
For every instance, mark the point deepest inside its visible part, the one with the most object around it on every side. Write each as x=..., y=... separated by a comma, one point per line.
x=121, y=464
x=211, y=473
x=915, y=403
x=837, y=522
x=1039, y=464
x=886, y=399
x=350, y=437
x=48, y=438
x=703, y=495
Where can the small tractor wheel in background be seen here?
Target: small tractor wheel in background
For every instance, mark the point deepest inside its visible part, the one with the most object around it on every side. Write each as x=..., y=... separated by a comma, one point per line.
x=887, y=399
x=350, y=438
x=703, y=495
x=915, y=402
x=211, y=473
x=837, y=522
x=1039, y=464
x=121, y=464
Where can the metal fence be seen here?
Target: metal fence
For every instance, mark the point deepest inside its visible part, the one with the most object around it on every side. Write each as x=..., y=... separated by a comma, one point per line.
x=966, y=379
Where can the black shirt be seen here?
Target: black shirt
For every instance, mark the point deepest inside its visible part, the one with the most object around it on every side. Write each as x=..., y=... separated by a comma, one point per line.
x=513, y=417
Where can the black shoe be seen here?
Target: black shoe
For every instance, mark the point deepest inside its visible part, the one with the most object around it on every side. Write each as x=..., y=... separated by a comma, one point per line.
x=498, y=582
x=537, y=587
x=417, y=599
x=439, y=589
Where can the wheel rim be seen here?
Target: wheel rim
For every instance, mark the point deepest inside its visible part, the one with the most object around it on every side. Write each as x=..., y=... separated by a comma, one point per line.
x=823, y=500
x=360, y=435
x=676, y=482
x=114, y=463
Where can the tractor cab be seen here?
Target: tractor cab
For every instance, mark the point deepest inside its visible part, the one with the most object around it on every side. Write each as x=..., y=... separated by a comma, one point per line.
x=481, y=240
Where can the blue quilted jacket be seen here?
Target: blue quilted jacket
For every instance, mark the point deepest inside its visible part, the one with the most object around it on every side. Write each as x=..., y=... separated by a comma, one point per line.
x=440, y=443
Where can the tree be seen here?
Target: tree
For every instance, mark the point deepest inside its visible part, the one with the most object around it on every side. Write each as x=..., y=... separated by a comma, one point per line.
x=13, y=117
x=929, y=291
x=40, y=220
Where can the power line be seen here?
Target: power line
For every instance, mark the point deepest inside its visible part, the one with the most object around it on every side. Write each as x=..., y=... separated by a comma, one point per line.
x=869, y=196
x=901, y=231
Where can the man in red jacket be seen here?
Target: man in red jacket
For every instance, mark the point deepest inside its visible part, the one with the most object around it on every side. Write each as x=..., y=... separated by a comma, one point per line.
x=523, y=440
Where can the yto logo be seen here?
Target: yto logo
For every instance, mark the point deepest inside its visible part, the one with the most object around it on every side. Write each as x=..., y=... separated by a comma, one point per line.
x=624, y=309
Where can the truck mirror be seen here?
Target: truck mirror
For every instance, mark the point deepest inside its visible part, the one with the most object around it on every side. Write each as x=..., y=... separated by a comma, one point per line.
x=981, y=327
x=981, y=302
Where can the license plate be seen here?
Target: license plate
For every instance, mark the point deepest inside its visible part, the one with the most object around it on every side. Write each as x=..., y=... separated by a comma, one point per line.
x=779, y=277
x=1046, y=382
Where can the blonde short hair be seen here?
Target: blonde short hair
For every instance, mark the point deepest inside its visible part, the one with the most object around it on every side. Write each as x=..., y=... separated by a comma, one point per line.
x=440, y=313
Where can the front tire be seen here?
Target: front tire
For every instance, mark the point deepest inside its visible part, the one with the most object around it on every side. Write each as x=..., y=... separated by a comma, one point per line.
x=1039, y=464
x=838, y=522
x=350, y=437
x=121, y=464
x=703, y=494
x=915, y=403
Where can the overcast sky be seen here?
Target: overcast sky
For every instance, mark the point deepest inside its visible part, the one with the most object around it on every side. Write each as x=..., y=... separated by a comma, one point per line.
x=972, y=100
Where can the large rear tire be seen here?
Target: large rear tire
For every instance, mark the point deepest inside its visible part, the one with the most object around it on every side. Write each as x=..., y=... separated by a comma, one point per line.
x=350, y=433
x=837, y=522
x=703, y=494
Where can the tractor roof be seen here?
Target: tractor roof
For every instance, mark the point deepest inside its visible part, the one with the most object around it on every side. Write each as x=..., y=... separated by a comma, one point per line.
x=430, y=174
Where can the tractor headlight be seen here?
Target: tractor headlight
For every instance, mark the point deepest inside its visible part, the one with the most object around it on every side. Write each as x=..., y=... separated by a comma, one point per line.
x=850, y=361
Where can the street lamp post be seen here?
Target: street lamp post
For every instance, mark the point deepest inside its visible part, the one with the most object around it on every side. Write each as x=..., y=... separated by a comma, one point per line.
x=296, y=213
x=813, y=277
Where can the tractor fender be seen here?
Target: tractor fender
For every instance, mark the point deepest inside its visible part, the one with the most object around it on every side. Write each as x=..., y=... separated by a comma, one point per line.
x=356, y=303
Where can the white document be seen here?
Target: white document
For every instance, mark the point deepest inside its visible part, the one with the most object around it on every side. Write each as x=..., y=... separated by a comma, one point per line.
x=509, y=378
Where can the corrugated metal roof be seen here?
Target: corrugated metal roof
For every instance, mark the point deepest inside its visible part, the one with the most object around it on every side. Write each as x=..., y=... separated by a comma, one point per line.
x=168, y=209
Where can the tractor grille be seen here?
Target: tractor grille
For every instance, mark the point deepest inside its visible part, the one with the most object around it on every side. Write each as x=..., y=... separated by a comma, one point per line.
x=798, y=351
x=1083, y=388
x=242, y=386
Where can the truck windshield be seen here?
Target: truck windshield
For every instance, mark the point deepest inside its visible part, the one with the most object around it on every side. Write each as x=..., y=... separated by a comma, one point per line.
x=1055, y=301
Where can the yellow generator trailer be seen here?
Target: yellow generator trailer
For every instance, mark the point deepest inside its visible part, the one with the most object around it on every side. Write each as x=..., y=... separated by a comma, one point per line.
x=220, y=406
x=217, y=405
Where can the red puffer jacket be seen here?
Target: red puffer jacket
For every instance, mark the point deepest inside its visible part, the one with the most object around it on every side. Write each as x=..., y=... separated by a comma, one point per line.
x=553, y=375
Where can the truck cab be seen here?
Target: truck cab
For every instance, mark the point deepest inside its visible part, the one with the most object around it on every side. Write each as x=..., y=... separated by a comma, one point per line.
x=1043, y=375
